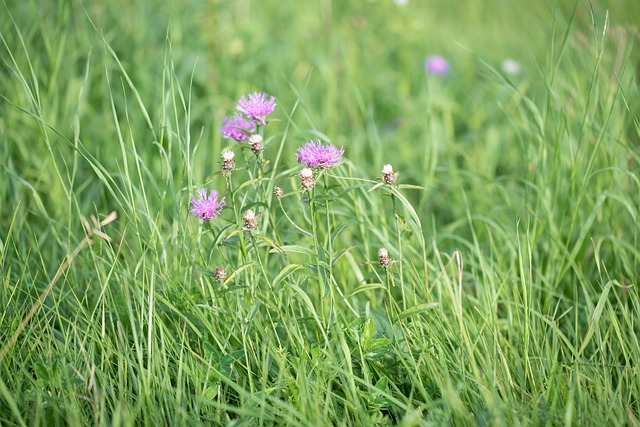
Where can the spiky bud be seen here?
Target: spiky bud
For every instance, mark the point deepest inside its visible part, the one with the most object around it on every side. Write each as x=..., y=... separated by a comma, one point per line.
x=385, y=261
x=220, y=274
x=388, y=175
x=228, y=164
x=256, y=143
x=250, y=220
x=306, y=178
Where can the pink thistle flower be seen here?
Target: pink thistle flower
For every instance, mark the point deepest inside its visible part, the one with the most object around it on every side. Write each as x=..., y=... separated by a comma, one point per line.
x=436, y=64
x=256, y=106
x=237, y=127
x=207, y=207
x=314, y=154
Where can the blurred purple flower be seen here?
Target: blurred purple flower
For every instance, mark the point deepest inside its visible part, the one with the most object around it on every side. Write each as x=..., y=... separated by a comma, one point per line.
x=256, y=106
x=237, y=127
x=206, y=208
x=436, y=64
x=314, y=154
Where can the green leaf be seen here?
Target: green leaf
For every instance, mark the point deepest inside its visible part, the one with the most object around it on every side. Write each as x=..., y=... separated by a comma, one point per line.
x=271, y=243
x=288, y=269
x=365, y=287
x=411, y=187
x=296, y=249
x=417, y=309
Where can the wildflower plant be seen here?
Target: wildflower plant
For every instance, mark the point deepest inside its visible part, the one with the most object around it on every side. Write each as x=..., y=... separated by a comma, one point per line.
x=269, y=250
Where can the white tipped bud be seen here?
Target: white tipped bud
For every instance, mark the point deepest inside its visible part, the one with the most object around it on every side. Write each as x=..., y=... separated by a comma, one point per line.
x=256, y=143
x=256, y=138
x=220, y=274
x=250, y=220
x=388, y=175
x=306, y=178
x=227, y=155
x=385, y=261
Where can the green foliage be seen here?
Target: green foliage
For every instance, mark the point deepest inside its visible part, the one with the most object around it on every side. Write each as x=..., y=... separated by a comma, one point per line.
x=513, y=229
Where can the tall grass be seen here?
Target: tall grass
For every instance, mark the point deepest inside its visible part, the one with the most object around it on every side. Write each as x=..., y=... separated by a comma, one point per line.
x=513, y=226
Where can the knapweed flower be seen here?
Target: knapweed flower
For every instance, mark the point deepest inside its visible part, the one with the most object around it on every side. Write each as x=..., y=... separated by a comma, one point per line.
x=207, y=207
x=385, y=261
x=316, y=155
x=256, y=106
x=237, y=127
x=220, y=274
x=436, y=64
x=256, y=143
x=278, y=192
x=250, y=220
x=388, y=175
x=306, y=178
x=228, y=164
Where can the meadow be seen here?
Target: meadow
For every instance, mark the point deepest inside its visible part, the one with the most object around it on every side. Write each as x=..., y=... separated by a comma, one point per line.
x=489, y=278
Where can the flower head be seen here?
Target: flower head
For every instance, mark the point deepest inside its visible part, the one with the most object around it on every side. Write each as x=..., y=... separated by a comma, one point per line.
x=220, y=274
x=306, y=178
x=278, y=192
x=237, y=127
x=388, y=175
x=314, y=154
x=256, y=106
x=385, y=261
x=228, y=164
x=436, y=64
x=250, y=220
x=255, y=141
x=207, y=207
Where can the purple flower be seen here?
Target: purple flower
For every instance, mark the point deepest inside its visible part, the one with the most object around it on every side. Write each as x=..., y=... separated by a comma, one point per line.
x=256, y=106
x=436, y=64
x=237, y=127
x=207, y=208
x=314, y=154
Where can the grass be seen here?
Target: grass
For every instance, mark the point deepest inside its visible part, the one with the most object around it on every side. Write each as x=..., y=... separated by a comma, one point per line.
x=513, y=226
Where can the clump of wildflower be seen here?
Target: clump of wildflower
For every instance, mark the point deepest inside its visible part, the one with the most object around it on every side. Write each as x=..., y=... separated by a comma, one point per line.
x=228, y=164
x=256, y=143
x=237, y=127
x=436, y=64
x=205, y=207
x=278, y=192
x=220, y=274
x=316, y=155
x=388, y=175
x=250, y=220
x=306, y=178
x=256, y=106
x=385, y=261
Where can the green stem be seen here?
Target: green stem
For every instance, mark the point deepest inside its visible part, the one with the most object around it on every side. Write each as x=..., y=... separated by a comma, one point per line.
x=399, y=244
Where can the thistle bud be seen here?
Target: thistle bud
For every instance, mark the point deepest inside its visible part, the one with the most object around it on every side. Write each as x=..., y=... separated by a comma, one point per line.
x=256, y=143
x=385, y=261
x=220, y=274
x=228, y=164
x=388, y=175
x=306, y=178
x=250, y=220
